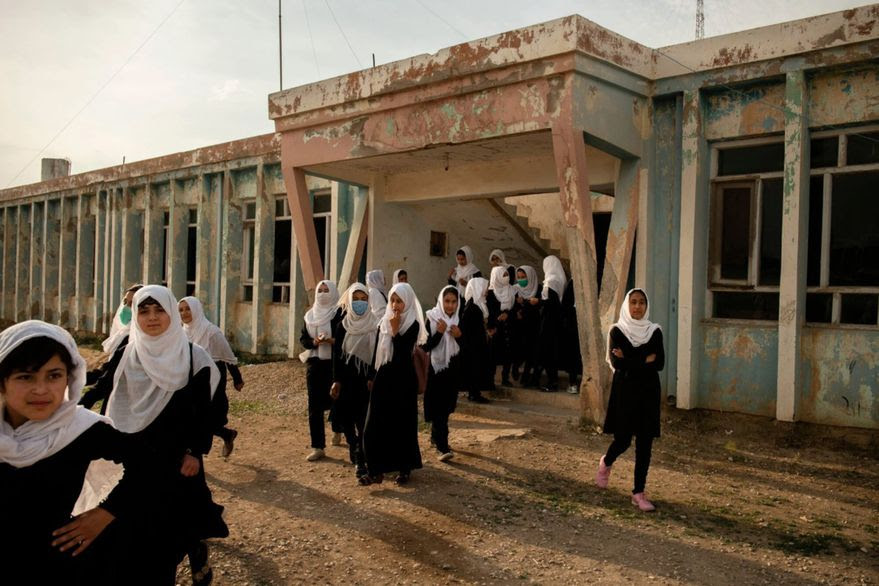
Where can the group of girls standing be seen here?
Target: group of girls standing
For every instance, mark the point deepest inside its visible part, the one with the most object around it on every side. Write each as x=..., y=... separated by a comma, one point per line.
x=118, y=497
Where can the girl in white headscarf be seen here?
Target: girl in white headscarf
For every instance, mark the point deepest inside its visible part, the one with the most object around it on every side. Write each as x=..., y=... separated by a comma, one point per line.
x=400, y=276
x=201, y=331
x=554, y=281
x=477, y=370
x=465, y=270
x=117, y=339
x=501, y=300
x=526, y=324
x=390, y=438
x=636, y=355
x=375, y=284
x=47, y=443
x=441, y=396
x=317, y=339
x=353, y=358
x=162, y=393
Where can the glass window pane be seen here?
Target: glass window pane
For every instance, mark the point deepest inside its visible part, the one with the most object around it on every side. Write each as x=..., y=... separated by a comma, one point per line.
x=770, y=233
x=854, y=237
x=824, y=152
x=746, y=305
x=858, y=309
x=166, y=217
x=190, y=289
x=320, y=226
x=248, y=293
x=766, y=158
x=192, y=243
x=735, y=233
x=283, y=242
x=193, y=216
x=250, y=211
x=322, y=204
x=863, y=148
x=279, y=208
x=816, y=211
x=819, y=307
x=251, y=252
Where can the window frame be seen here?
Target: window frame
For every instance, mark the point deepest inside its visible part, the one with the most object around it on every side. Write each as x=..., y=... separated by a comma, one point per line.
x=285, y=288
x=247, y=224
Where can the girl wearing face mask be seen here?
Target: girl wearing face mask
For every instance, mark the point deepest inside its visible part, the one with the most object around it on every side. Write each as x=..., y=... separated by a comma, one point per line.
x=635, y=354
x=353, y=358
x=477, y=369
x=117, y=339
x=526, y=324
x=47, y=443
x=441, y=396
x=501, y=300
x=390, y=438
x=317, y=339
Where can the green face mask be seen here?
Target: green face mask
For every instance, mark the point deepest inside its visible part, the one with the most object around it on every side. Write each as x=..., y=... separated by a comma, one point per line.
x=125, y=315
x=523, y=282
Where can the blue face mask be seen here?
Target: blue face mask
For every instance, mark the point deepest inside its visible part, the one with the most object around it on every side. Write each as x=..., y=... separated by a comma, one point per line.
x=359, y=306
x=125, y=315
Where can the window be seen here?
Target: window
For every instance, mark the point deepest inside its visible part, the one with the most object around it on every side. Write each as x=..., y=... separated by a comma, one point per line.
x=322, y=213
x=283, y=251
x=166, y=220
x=438, y=243
x=247, y=258
x=191, y=250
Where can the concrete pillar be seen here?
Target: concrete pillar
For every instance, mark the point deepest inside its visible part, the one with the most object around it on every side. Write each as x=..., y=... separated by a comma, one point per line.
x=299, y=304
x=68, y=260
x=569, y=150
x=263, y=271
x=4, y=212
x=177, y=240
x=132, y=243
x=37, y=250
x=153, y=236
x=303, y=226
x=206, y=252
x=85, y=262
x=52, y=270
x=356, y=238
x=693, y=250
x=231, y=243
x=101, y=208
x=794, y=245
x=22, y=262
x=117, y=250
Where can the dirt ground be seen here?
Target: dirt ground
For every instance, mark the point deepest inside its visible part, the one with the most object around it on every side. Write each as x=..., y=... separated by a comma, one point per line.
x=740, y=500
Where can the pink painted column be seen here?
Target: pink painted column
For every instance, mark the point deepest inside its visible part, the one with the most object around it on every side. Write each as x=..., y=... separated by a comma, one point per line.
x=303, y=224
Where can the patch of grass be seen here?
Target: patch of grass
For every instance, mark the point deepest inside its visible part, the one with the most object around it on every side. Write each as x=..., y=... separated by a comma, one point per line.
x=90, y=341
x=811, y=544
x=248, y=407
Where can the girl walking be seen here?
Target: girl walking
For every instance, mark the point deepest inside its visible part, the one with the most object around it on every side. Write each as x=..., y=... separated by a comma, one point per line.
x=554, y=281
x=477, y=369
x=441, y=396
x=526, y=325
x=501, y=300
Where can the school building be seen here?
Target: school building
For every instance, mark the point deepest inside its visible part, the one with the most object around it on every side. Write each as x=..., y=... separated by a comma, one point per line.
x=735, y=178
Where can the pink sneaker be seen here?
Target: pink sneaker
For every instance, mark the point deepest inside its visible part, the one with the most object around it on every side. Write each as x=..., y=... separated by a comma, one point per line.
x=603, y=475
x=640, y=501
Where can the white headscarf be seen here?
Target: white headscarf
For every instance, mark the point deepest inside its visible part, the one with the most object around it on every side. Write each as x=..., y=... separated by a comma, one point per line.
x=637, y=331
x=500, y=284
x=448, y=346
x=553, y=277
x=396, y=278
x=529, y=290
x=318, y=320
x=33, y=441
x=375, y=282
x=202, y=332
x=500, y=254
x=360, y=332
x=476, y=290
x=466, y=271
x=412, y=313
x=154, y=367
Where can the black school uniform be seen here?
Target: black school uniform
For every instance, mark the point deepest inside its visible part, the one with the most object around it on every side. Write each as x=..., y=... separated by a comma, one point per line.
x=441, y=396
x=390, y=437
x=476, y=367
x=318, y=380
x=103, y=380
x=353, y=401
x=92, y=376
x=525, y=332
x=500, y=343
x=38, y=499
x=571, y=359
x=548, y=340
x=220, y=402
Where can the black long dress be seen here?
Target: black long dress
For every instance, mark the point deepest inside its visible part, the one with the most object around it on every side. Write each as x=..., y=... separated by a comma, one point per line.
x=92, y=376
x=103, y=380
x=548, y=339
x=571, y=359
x=441, y=395
x=38, y=499
x=476, y=368
x=634, y=404
x=353, y=401
x=220, y=402
x=501, y=352
x=318, y=379
x=390, y=437
x=524, y=339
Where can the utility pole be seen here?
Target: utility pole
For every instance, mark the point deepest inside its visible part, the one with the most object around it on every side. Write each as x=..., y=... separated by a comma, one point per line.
x=280, y=52
x=700, y=19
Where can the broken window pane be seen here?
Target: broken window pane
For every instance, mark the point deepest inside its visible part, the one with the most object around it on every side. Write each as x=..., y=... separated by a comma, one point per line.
x=858, y=309
x=819, y=308
x=736, y=305
x=282, y=251
x=816, y=211
x=765, y=158
x=735, y=233
x=854, y=238
x=824, y=152
x=770, y=233
x=863, y=148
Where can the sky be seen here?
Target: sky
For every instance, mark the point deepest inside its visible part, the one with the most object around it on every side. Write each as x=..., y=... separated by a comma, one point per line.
x=98, y=80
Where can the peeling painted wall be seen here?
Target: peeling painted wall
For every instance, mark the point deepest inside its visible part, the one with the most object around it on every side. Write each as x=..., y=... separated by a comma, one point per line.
x=750, y=111
x=844, y=97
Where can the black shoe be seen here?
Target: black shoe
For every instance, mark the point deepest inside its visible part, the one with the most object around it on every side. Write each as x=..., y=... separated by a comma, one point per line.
x=202, y=573
x=229, y=443
x=479, y=399
x=549, y=389
x=402, y=478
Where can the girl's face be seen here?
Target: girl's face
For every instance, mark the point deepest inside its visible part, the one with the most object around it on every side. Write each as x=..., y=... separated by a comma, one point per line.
x=129, y=296
x=359, y=296
x=462, y=258
x=403, y=277
x=152, y=319
x=397, y=304
x=495, y=261
x=35, y=396
x=637, y=305
x=521, y=275
x=450, y=303
x=185, y=312
x=323, y=288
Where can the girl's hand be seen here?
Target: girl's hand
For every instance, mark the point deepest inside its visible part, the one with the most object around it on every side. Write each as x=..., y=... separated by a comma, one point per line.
x=82, y=531
x=441, y=326
x=650, y=358
x=534, y=301
x=329, y=341
x=456, y=332
x=395, y=322
x=502, y=317
x=239, y=386
x=617, y=352
x=334, y=390
x=190, y=466
x=462, y=282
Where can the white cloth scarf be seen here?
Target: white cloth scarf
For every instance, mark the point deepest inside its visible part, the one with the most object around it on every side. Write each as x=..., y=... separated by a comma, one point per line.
x=360, y=332
x=448, y=346
x=33, y=441
x=396, y=278
x=153, y=368
x=466, y=271
x=637, y=331
x=476, y=290
x=118, y=331
x=553, y=277
x=318, y=320
x=375, y=283
x=411, y=313
x=202, y=332
x=500, y=254
x=503, y=291
x=529, y=290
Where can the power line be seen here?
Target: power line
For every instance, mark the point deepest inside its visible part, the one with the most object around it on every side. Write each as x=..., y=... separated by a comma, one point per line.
x=443, y=20
x=333, y=14
x=97, y=93
x=311, y=37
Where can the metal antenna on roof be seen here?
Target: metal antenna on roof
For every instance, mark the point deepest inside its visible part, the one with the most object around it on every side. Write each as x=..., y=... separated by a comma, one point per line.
x=700, y=19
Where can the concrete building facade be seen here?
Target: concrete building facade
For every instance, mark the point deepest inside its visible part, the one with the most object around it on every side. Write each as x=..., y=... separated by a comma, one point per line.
x=733, y=177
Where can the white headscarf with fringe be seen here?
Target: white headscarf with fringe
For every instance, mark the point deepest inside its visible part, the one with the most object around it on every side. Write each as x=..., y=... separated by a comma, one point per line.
x=476, y=289
x=637, y=331
x=504, y=292
x=319, y=320
x=553, y=277
x=529, y=290
x=202, y=332
x=412, y=313
x=360, y=332
x=467, y=271
x=441, y=355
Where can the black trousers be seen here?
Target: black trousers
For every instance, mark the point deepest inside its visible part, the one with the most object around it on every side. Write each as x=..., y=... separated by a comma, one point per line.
x=643, y=451
x=439, y=432
x=318, y=379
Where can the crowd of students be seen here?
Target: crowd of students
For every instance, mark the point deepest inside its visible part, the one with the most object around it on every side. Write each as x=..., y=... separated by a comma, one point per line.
x=120, y=496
